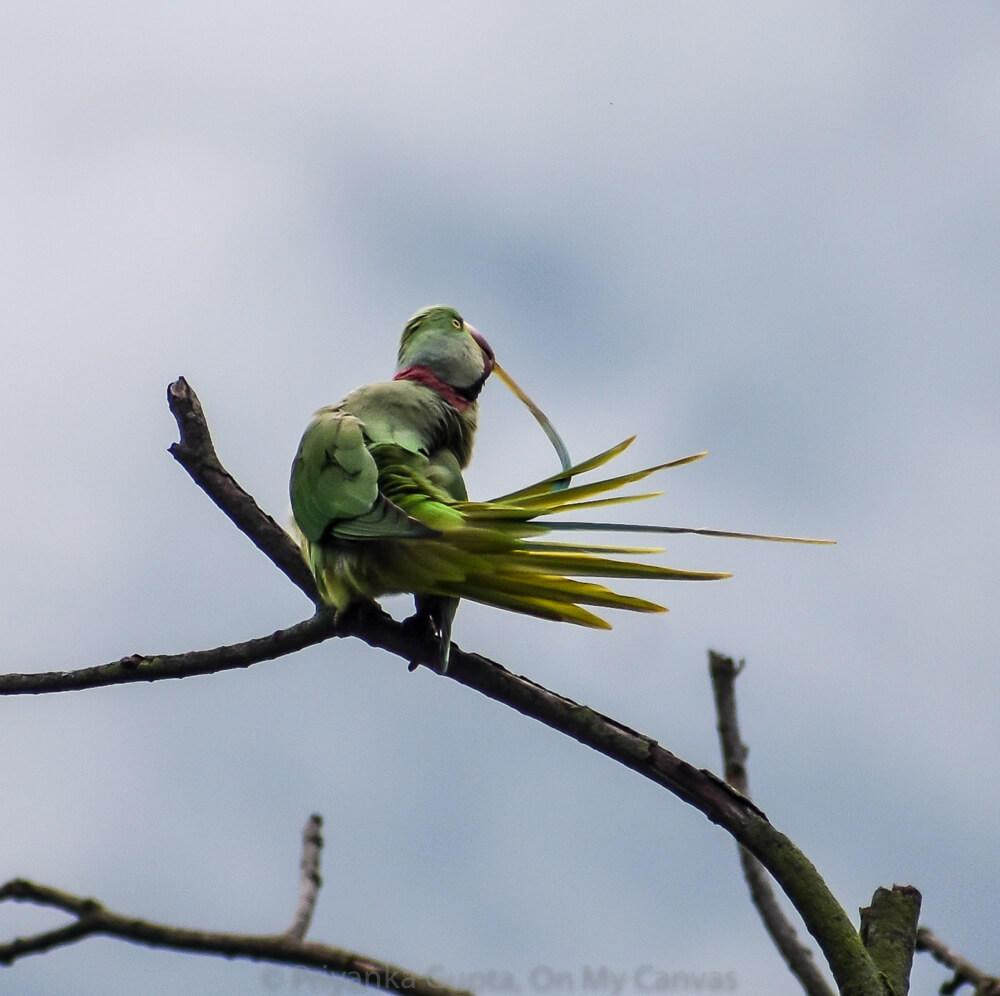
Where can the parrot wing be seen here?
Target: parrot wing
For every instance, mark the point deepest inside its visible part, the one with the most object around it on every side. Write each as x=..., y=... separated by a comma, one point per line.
x=336, y=487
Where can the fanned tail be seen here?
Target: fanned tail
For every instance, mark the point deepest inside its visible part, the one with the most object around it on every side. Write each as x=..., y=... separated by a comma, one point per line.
x=499, y=556
x=503, y=553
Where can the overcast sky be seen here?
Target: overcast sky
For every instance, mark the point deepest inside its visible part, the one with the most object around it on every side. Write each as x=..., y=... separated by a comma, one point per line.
x=770, y=231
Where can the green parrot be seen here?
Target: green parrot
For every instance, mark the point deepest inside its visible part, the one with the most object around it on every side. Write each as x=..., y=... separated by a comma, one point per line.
x=381, y=508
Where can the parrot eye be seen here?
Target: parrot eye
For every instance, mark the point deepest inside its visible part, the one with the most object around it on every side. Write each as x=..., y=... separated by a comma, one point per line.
x=456, y=323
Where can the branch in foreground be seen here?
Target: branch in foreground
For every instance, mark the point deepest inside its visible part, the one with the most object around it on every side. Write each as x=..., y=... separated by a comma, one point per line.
x=798, y=957
x=92, y=918
x=854, y=970
x=965, y=972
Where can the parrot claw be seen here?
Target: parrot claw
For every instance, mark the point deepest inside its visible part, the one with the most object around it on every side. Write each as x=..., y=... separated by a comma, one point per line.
x=421, y=626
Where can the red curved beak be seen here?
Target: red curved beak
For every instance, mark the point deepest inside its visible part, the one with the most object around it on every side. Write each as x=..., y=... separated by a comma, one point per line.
x=488, y=355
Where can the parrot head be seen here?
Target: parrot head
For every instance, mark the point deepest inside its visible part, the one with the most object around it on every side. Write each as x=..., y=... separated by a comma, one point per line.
x=439, y=342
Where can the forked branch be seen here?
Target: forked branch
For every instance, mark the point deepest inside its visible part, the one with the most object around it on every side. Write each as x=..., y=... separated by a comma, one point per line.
x=290, y=948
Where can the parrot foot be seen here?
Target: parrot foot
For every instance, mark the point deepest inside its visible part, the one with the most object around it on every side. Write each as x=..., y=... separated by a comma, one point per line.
x=421, y=626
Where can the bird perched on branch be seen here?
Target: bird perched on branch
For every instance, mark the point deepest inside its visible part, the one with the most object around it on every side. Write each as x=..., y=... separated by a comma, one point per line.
x=381, y=508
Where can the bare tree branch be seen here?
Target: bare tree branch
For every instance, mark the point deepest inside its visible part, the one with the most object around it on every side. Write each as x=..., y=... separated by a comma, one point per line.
x=309, y=877
x=798, y=957
x=965, y=972
x=290, y=948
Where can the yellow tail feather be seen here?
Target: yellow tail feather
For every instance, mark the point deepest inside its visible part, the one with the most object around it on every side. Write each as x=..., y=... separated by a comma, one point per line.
x=579, y=468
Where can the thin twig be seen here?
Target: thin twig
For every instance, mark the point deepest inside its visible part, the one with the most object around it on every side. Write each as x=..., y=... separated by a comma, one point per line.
x=798, y=957
x=154, y=667
x=965, y=972
x=310, y=879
